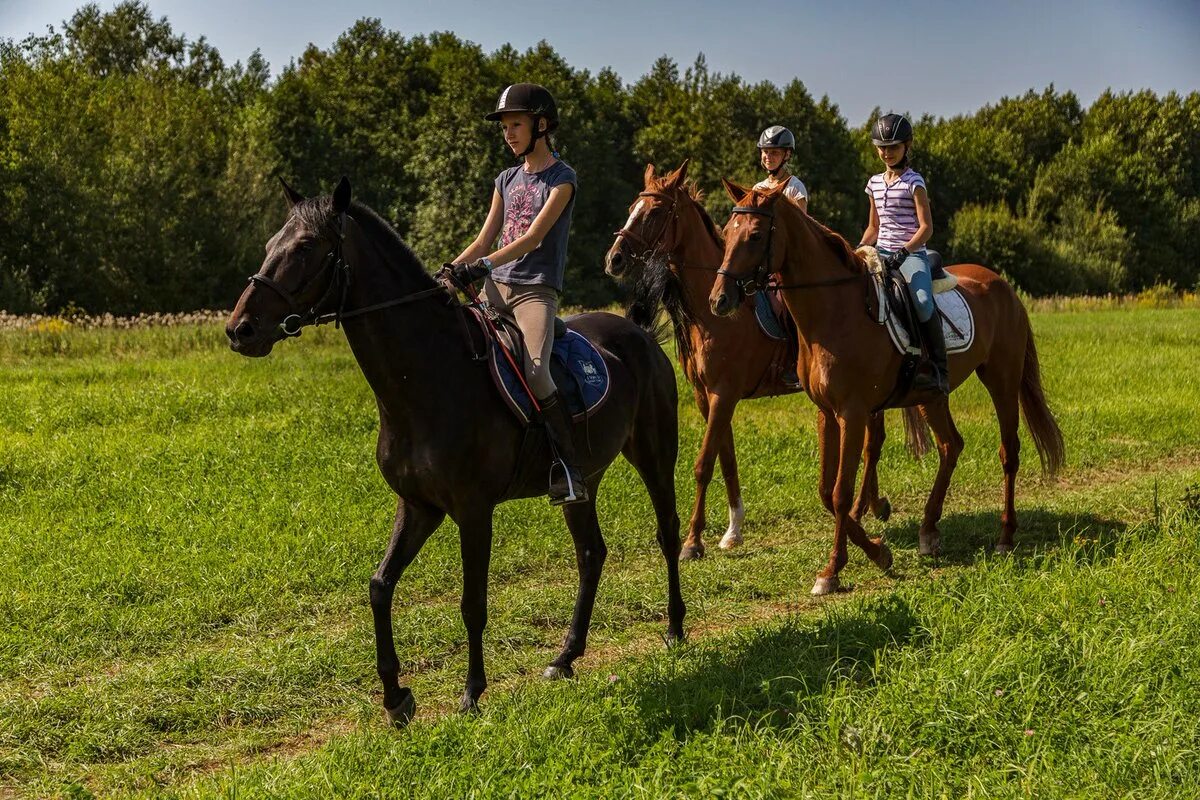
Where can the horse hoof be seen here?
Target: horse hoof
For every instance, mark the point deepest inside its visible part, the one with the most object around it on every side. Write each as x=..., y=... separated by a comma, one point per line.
x=929, y=544
x=1003, y=549
x=672, y=640
x=557, y=673
x=884, y=561
x=729, y=541
x=690, y=553
x=883, y=510
x=468, y=705
x=403, y=713
x=824, y=586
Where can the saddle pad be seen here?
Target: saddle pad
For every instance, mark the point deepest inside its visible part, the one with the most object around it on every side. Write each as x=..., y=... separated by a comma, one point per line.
x=578, y=371
x=768, y=319
x=958, y=323
x=942, y=284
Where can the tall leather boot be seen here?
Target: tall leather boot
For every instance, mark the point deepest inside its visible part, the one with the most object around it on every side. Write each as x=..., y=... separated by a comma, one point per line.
x=938, y=377
x=566, y=482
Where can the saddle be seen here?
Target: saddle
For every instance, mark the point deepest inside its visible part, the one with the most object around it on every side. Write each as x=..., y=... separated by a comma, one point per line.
x=897, y=313
x=577, y=367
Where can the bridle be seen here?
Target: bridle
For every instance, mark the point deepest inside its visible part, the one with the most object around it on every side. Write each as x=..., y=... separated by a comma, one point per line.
x=339, y=286
x=756, y=281
x=653, y=247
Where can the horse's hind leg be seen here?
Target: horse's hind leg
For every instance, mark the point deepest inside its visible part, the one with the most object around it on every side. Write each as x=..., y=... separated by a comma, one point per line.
x=733, y=490
x=590, y=553
x=652, y=449
x=868, y=496
x=949, y=446
x=413, y=526
x=1005, y=397
x=720, y=416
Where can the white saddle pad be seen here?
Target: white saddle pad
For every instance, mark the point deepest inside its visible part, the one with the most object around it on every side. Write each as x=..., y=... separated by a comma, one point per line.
x=958, y=323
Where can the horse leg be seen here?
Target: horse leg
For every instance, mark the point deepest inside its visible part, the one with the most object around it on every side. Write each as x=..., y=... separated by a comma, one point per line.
x=475, y=547
x=413, y=526
x=590, y=553
x=720, y=416
x=1005, y=398
x=853, y=430
x=949, y=446
x=733, y=490
x=827, y=441
x=868, y=496
x=655, y=463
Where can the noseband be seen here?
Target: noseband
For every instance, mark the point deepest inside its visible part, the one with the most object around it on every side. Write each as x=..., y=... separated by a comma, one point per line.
x=339, y=286
x=653, y=247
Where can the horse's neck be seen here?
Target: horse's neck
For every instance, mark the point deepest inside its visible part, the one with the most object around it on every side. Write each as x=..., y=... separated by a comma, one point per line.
x=695, y=260
x=406, y=352
x=808, y=258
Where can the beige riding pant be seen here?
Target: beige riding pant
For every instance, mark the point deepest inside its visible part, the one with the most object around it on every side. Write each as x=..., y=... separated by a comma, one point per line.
x=533, y=308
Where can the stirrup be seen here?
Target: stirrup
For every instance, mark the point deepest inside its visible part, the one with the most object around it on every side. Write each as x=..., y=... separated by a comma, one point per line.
x=568, y=488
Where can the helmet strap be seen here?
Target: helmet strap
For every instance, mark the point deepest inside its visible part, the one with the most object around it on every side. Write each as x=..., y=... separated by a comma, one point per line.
x=537, y=134
x=774, y=173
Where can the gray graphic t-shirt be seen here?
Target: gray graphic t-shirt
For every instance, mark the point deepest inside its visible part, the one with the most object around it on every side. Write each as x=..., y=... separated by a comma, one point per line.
x=524, y=196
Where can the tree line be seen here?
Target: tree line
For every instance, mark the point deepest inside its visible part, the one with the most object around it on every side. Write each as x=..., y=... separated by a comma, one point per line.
x=137, y=168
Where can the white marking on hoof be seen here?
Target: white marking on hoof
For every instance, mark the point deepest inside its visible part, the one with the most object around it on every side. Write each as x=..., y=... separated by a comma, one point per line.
x=823, y=586
x=929, y=544
x=555, y=673
x=733, y=534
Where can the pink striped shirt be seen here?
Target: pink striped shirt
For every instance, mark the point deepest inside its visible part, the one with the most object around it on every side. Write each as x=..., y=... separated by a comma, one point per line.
x=896, y=207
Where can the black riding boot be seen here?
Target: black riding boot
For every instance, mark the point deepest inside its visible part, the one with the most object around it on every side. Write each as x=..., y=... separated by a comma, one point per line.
x=938, y=377
x=566, y=483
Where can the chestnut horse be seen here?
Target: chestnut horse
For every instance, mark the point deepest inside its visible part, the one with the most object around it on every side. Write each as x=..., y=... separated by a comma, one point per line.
x=852, y=367
x=448, y=446
x=668, y=252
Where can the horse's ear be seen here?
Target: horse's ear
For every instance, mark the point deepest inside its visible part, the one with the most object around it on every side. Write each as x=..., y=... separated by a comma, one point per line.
x=649, y=175
x=341, y=196
x=677, y=177
x=290, y=194
x=735, y=192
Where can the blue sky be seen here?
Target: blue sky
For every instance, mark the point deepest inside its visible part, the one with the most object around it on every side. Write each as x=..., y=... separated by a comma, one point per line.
x=938, y=57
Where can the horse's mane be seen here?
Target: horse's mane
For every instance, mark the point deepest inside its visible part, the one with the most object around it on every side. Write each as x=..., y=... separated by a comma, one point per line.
x=659, y=287
x=316, y=213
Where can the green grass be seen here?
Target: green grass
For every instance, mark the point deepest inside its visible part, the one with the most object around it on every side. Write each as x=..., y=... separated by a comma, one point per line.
x=186, y=537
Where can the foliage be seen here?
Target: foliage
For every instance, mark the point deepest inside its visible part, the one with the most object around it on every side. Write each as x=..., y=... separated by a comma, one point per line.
x=137, y=168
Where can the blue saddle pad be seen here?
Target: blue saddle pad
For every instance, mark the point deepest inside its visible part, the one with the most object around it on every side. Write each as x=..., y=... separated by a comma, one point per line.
x=578, y=370
x=767, y=320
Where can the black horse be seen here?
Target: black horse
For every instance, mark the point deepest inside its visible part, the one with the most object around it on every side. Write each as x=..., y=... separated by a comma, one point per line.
x=447, y=443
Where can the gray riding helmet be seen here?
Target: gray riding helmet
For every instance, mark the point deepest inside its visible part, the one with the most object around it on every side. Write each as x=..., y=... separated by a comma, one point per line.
x=777, y=136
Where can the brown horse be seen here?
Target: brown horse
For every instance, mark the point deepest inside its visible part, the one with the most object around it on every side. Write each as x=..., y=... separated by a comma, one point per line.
x=668, y=252
x=448, y=446
x=852, y=367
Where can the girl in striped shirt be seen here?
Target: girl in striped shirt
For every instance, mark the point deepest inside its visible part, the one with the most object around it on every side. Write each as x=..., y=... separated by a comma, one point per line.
x=900, y=226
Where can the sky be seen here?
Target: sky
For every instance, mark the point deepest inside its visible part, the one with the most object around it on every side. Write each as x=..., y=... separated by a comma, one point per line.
x=936, y=57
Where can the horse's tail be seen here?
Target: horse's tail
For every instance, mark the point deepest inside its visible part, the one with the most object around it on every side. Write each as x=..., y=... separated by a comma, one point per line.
x=1047, y=436
x=916, y=432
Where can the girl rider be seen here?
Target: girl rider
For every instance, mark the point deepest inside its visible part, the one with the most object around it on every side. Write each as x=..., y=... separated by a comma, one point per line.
x=775, y=147
x=900, y=225
x=523, y=275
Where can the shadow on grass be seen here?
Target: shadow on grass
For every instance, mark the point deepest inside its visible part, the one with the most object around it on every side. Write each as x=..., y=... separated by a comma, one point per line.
x=774, y=675
x=966, y=538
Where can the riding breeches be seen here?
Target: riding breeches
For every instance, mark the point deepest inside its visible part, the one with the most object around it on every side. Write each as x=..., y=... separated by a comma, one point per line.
x=533, y=307
x=915, y=270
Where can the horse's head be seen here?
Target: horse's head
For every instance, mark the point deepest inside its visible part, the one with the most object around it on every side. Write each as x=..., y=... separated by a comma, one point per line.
x=749, y=236
x=652, y=228
x=299, y=276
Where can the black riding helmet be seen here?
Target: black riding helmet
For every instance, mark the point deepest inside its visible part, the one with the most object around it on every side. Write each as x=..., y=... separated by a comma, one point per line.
x=891, y=129
x=529, y=98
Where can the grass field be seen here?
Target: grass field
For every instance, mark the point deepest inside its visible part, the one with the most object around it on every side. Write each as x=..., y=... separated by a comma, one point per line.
x=186, y=538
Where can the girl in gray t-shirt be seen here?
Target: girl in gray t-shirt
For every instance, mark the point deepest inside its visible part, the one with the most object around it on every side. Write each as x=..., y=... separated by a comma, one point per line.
x=529, y=221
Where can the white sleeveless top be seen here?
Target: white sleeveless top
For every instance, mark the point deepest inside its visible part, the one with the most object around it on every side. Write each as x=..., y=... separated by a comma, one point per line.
x=795, y=188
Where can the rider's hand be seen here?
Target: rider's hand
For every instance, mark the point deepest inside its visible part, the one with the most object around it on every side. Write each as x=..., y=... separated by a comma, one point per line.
x=896, y=259
x=466, y=274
